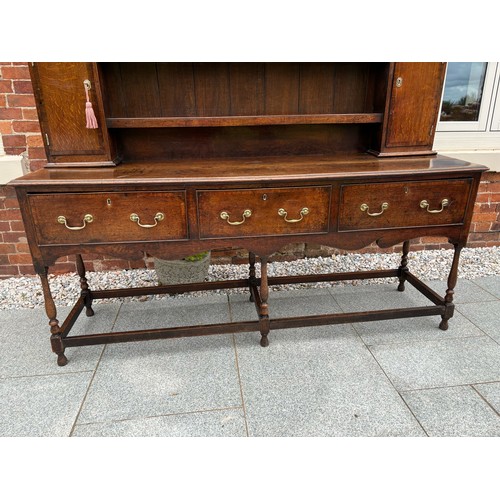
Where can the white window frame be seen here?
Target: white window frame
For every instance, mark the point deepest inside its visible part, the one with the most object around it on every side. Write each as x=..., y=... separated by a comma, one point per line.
x=485, y=111
x=483, y=135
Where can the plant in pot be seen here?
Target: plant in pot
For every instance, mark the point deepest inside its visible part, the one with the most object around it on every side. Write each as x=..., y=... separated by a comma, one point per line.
x=190, y=269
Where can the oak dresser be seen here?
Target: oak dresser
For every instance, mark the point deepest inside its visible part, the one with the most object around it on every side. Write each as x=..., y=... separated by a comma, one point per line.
x=171, y=159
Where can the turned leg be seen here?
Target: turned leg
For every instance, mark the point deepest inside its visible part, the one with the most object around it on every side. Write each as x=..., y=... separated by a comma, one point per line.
x=50, y=309
x=251, y=271
x=264, y=308
x=452, y=281
x=404, y=266
x=86, y=293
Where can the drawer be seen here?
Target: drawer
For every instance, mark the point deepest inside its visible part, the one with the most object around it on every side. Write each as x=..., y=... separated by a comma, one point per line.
x=259, y=212
x=107, y=217
x=403, y=204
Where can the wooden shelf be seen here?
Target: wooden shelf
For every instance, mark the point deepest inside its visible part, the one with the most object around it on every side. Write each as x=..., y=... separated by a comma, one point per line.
x=238, y=121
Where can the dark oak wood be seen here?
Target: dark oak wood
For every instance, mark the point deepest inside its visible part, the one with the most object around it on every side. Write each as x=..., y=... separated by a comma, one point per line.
x=111, y=216
x=244, y=155
x=403, y=268
x=244, y=120
x=403, y=201
x=60, y=96
x=412, y=109
x=86, y=293
x=264, y=205
x=452, y=281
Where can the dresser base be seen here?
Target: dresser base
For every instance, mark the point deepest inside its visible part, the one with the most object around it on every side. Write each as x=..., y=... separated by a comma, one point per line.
x=263, y=323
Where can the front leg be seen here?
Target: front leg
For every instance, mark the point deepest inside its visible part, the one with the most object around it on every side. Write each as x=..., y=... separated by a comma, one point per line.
x=452, y=281
x=251, y=272
x=264, y=308
x=404, y=266
x=86, y=293
x=50, y=308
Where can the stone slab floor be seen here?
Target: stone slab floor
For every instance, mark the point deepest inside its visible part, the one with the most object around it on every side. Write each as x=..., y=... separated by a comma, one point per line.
x=386, y=378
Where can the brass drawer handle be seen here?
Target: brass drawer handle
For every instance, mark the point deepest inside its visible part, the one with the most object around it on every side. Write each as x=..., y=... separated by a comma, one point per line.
x=444, y=203
x=225, y=216
x=365, y=208
x=283, y=213
x=87, y=218
x=158, y=217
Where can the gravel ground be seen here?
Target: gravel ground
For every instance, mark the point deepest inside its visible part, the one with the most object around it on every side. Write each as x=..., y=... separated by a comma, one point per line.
x=26, y=292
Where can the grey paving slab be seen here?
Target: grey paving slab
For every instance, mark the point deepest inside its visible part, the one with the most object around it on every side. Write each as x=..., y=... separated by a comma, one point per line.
x=399, y=330
x=420, y=365
x=466, y=291
x=453, y=411
x=380, y=296
x=367, y=286
x=485, y=315
x=153, y=378
x=142, y=379
x=415, y=330
x=285, y=303
x=489, y=283
x=491, y=392
x=318, y=382
x=25, y=341
x=175, y=311
x=218, y=423
x=41, y=406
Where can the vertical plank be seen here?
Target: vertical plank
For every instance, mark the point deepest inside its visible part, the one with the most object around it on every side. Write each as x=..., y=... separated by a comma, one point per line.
x=176, y=88
x=282, y=88
x=112, y=89
x=246, y=88
x=212, y=89
x=351, y=80
x=316, y=88
x=140, y=89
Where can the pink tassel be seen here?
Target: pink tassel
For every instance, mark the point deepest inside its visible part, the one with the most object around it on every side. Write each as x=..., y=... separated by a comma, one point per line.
x=89, y=111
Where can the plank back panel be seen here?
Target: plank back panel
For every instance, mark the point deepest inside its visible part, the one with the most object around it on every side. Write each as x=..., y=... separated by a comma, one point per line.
x=212, y=89
x=282, y=89
x=114, y=100
x=241, y=89
x=219, y=142
x=176, y=88
x=316, y=88
x=351, y=81
x=246, y=81
x=140, y=89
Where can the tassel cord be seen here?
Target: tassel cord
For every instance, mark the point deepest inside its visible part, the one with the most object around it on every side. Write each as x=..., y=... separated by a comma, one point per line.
x=89, y=111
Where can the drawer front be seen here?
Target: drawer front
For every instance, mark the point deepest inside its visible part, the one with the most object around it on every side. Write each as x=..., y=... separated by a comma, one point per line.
x=107, y=217
x=403, y=204
x=259, y=212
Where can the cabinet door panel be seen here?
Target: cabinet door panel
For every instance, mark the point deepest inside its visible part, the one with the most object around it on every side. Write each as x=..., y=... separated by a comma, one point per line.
x=414, y=105
x=60, y=96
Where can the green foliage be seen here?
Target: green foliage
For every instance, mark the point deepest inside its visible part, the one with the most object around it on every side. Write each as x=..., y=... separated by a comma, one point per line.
x=196, y=257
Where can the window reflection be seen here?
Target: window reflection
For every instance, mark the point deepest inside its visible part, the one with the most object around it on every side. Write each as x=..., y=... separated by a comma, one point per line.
x=463, y=91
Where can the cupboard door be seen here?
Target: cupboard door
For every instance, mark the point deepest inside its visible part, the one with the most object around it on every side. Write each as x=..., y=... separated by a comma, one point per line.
x=60, y=97
x=414, y=105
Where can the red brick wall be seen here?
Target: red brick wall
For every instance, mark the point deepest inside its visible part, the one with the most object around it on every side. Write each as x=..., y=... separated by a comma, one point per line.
x=21, y=132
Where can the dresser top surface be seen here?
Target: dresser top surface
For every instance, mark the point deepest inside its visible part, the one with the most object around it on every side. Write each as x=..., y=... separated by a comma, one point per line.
x=253, y=169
